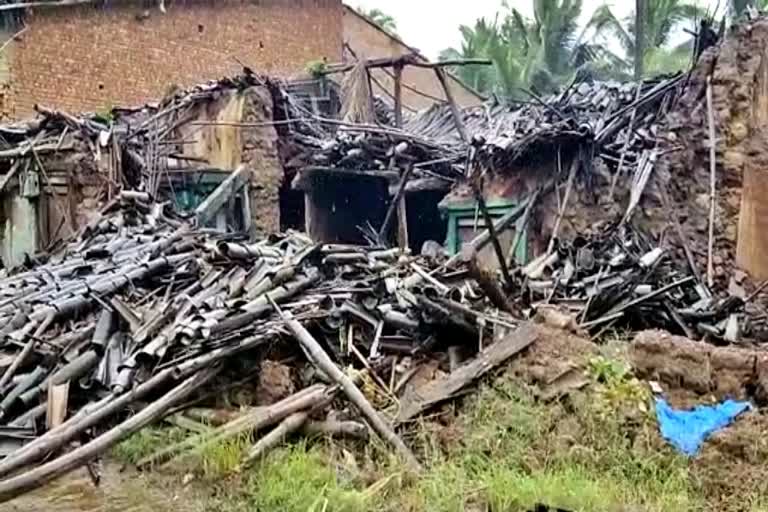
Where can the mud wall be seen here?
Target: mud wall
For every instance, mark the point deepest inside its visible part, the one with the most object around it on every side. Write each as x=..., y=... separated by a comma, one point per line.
x=225, y=146
x=259, y=153
x=739, y=71
x=589, y=205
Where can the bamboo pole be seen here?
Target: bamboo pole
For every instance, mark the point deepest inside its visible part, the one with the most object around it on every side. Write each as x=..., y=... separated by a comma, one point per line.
x=39, y=476
x=712, y=185
x=452, y=103
x=564, y=206
x=286, y=427
x=71, y=429
x=320, y=358
x=258, y=418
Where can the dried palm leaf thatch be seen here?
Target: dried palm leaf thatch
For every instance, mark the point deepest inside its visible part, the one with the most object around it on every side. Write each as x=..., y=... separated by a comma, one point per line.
x=356, y=96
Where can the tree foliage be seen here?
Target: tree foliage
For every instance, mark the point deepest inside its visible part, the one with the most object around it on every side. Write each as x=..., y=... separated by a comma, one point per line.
x=543, y=52
x=662, y=18
x=382, y=19
x=537, y=54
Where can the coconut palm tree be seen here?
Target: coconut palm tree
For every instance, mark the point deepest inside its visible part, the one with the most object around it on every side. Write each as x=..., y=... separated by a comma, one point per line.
x=661, y=18
x=477, y=42
x=535, y=54
x=382, y=19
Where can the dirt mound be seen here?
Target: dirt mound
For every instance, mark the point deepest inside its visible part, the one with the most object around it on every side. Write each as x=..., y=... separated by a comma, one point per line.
x=555, y=363
x=680, y=363
x=732, y=463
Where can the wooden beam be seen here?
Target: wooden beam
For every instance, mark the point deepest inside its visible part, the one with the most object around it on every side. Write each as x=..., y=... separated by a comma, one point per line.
x=492, y=234
x=406, y=60
x=399, y=96
x=382, y=235
x=440, y=390
x=223, y=193
x=452, y=103
x=402, y=224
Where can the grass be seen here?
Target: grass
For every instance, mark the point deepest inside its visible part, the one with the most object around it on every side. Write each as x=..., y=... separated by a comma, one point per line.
x=502, y=451
x=145, y=442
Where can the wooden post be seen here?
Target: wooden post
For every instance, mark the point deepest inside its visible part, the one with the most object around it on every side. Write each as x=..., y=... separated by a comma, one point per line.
x=492, y=233
x=454, y=108
x=402, y=212
x=402, y=223
x=322, y=361
x=395, y=204
x=398, y=95
x=712, y=185
x=639, y=38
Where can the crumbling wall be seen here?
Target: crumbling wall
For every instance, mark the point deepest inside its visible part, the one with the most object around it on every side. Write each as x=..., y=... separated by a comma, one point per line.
x=680, y=363
x=223, y=144
x=259, y=153
x=589, y=205
x=739, y=71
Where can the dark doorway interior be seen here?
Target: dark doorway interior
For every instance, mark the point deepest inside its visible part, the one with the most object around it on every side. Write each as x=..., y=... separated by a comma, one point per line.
x=341, y=206
x=291, y=208
x=424, y=219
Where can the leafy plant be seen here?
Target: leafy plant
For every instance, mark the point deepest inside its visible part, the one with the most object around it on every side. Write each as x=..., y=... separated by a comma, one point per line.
x=317, y=68
x=380, y=18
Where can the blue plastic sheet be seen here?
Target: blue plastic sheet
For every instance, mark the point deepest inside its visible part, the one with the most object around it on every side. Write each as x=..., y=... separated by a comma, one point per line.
x=687, y=430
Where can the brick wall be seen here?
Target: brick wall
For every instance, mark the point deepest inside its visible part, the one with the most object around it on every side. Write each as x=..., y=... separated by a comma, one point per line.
x=369, y=41
x=92, y=57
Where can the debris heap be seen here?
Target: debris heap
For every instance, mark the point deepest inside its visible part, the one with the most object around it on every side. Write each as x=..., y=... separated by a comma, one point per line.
x=143, y=309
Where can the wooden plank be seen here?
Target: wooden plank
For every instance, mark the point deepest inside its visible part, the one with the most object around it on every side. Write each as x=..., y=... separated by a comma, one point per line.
x=402, y=223
x=58, y=398
x=450, y=386
x=219, y=197
x=752, y=246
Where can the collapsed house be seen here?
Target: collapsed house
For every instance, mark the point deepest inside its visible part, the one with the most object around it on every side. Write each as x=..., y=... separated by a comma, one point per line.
x=62, y=169
x=130, y=276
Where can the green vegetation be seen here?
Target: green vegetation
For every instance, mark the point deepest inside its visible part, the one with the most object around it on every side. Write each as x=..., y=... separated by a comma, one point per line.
x=662, y=18
x=379, y=17
x=502, y=449
x=545, y=52
x=146, y=442
x=316, y=68
x=739, y=6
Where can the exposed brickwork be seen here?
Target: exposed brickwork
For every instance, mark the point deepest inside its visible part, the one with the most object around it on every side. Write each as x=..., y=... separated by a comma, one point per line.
x=367, y=40
x=88, y=58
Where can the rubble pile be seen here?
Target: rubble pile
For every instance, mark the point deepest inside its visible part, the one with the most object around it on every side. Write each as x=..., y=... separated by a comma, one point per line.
x=144, y=307
x=619, y=277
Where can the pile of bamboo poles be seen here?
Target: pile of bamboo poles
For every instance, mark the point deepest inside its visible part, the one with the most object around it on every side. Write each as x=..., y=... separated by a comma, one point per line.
x=144, y=308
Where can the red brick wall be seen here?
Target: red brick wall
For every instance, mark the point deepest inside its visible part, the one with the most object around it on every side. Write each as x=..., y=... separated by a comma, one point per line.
x=89, y=58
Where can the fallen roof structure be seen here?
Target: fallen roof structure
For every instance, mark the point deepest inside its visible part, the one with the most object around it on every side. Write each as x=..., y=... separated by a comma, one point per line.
x=150, y=301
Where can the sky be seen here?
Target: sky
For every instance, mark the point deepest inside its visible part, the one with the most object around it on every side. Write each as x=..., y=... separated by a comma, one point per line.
x=432, y=25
